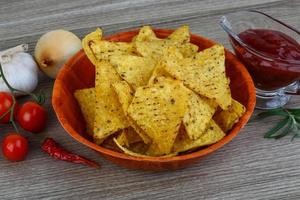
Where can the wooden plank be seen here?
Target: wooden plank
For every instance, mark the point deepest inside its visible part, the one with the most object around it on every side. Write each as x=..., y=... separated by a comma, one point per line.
x=32, y=21
x=249, y=167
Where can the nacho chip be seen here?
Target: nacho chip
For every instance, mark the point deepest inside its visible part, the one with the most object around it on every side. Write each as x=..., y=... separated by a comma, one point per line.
x=155, y=49
x=86, y=100
x=103, y=49
x=132, y=135
x=145, y=34
x=97, y=49
x=139, y=147
x=200, y=112
x=139, y=130
x=135, y=154
x=238, y=108
x=205, y=74
x=110, y=144
x=90, y=40
x=181, y=35
x=227, y=118
x=127, y=151
x=124, y=94
x=188, y=50
x=128, y=136
x=109, y=115
x=122, y=139
x=134, y=69
x=212, y=135
x=158, y=110
x=200, y=109
x=159, y=70
x=150, y=46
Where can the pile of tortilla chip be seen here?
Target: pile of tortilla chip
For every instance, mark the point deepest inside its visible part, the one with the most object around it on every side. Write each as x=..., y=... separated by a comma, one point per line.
x=157, y=97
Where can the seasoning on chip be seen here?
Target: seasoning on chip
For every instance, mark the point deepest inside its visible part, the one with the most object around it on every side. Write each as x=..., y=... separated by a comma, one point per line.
x=181, y=35
x=128, y=136
x=135, y=70
x=86, y=100
x=159, y=110
x=212, y=135
x=205, y=74
x=89, y=41
x=227, y=118
x=145, y=34
x=136, y=154
x=125, y=96
x=109, y=115
x=199, y=114
x=97, y=49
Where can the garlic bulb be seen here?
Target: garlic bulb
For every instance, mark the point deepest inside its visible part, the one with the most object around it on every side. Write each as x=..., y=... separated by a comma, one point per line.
x=54, y=48
x=21, y=72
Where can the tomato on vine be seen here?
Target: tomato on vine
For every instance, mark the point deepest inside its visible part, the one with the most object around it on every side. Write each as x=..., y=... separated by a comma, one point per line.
x=32, y=117
x=6, y=103
x=14, y=147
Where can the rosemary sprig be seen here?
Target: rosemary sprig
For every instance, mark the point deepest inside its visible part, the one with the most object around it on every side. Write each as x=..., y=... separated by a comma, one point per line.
x=289, y=124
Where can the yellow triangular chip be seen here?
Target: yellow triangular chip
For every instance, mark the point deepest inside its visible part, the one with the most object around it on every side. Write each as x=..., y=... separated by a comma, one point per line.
x=147, y=44
x=134, y=69
x=128, y=136
x=181, y=35
x=132, y=153
x=204, y=74
x=227, y=118
x=158, y=110
x=198, y=116
x=109, y=115
x=125, y=96
x=98, y=50
x=127, y=151
x=86, y=100
x=103, y=50
x=155, y=49
x=200, y=109
x=212, y=135
x=89, y=41
x=145, y=34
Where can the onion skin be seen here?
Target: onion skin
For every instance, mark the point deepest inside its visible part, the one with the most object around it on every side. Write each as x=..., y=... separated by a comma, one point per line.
x=53, y=49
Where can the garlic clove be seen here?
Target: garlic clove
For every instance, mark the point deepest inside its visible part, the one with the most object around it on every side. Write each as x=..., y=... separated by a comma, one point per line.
x=21, y=72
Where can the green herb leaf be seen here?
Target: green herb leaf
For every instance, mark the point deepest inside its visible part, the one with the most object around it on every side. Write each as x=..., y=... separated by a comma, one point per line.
x=289, y=124
x=285, y=131
x=294, y=111
x=276, y=128
x=40, y=98
x=275, y=112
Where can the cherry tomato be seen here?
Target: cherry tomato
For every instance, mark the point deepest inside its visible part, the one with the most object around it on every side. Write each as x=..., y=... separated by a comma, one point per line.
x=6, y=101
x=14, y=147
x=32, y=117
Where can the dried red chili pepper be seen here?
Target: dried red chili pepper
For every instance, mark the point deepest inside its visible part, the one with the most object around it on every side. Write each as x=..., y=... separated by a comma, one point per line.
x=56, y=151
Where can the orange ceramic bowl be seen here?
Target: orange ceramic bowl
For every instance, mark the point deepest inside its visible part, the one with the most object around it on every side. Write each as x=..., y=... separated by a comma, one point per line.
x=79, y=73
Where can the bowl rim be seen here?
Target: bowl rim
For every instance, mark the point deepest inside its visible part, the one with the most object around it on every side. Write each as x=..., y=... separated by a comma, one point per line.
x=202, y=152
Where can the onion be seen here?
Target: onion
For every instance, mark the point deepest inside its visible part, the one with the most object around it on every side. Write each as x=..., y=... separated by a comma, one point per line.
x=54, y=48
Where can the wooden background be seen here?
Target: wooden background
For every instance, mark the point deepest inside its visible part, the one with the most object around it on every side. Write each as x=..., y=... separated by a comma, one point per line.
x=249, y=167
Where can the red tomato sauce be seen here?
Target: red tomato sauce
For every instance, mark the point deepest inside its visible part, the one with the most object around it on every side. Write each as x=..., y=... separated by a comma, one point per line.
x=271, y=57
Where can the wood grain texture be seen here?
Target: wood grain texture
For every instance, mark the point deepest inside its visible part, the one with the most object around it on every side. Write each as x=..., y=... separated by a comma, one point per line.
x=249, y=167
